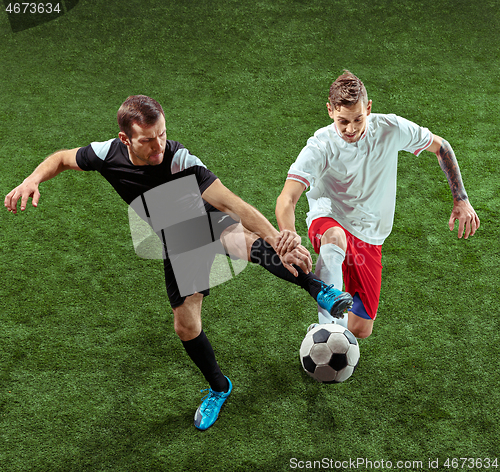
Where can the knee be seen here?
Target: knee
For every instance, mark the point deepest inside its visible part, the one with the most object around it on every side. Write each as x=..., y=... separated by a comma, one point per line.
x=361, y=333
x=335, y=235
x=238, y=241
x=186, y=330
x=360, y=327
x=187, y=318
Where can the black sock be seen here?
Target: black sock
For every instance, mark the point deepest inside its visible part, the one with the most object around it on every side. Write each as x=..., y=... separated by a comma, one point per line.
x=200, y=351
x=262, y=253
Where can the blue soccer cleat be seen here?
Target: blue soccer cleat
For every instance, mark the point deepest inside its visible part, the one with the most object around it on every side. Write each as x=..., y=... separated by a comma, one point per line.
x=333, y=300
x=208, y=411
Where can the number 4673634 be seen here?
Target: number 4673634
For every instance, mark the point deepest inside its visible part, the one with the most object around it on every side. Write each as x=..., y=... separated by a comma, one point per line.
x=33, y=8
x=471, y=463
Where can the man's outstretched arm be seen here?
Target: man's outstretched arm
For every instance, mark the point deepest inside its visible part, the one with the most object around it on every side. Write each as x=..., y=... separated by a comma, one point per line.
x=462, y=209
x=48, y=169
x=226, y=201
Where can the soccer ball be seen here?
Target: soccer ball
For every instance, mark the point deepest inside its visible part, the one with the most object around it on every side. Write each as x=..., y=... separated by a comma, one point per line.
x=329, y=353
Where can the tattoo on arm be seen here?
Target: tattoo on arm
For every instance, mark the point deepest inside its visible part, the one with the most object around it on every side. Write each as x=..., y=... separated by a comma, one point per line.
x=449, y=165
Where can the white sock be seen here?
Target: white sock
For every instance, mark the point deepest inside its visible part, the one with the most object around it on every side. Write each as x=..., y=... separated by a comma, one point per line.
x=329, y=270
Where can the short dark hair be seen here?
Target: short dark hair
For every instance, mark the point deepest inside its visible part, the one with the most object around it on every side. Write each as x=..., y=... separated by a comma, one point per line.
x=140, y=109
x=347, y=90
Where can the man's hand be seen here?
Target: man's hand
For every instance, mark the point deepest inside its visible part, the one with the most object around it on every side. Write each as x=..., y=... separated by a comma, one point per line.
x=287, y=241
x=48, y=169
x=300, y=257
x=27, y=189
x=467, y=218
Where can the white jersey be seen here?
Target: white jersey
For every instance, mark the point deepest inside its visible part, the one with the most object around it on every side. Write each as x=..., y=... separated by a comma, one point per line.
x=355, y=183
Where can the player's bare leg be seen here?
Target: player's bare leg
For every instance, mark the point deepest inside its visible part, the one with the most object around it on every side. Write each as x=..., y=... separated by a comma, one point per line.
x=335, y=235
x=238, y=241
x=360, y=327
x=187, y=318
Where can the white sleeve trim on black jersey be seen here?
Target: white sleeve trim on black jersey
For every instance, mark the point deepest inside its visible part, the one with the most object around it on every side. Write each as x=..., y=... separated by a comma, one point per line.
x=183, y=160
x=101, y=149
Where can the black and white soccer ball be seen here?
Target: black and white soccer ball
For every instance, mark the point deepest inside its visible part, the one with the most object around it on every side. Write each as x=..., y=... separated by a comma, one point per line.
x=329, y=353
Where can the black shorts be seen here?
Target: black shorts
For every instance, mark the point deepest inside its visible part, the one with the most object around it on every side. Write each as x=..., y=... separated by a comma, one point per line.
x=197, y=233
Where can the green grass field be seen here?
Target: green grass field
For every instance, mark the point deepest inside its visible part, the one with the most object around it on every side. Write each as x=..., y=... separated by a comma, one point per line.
x=92, y=374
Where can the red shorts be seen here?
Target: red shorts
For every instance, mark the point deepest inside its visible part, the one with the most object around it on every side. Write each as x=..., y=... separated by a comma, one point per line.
x=362, y=267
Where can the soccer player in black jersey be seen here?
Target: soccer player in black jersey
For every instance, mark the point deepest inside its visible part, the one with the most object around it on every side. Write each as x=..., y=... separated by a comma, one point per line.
x=141, y=159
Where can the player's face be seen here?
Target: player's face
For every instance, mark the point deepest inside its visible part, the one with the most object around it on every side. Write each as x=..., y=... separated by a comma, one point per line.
x=350, y=121
x=147, y=144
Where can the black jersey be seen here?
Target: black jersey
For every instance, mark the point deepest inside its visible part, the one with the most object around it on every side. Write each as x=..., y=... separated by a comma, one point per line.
x=111, y=160
x=187, y=268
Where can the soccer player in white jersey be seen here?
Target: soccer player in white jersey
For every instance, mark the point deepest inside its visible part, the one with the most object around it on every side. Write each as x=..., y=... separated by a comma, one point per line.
x=350, y=169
